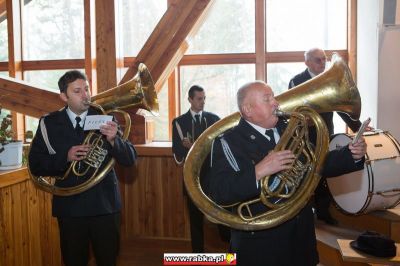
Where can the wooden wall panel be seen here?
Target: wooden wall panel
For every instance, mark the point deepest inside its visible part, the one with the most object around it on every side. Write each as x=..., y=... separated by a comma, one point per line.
x=29, y=234
x=154, y=205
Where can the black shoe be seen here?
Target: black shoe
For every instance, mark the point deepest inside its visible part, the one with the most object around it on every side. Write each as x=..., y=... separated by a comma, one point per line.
x=327, y=218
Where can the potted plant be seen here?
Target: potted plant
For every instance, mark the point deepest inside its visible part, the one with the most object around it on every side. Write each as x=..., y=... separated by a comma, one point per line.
x=10, y=150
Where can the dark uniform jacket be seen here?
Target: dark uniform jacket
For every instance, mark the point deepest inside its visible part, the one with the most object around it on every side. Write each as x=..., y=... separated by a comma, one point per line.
x=327, y=117
x=232, y=179
x=186, y=124
x=103, y=198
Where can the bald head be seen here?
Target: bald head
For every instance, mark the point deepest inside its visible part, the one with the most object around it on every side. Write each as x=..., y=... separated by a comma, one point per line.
x=244, y=91
x=315, y=60
x=257, y=104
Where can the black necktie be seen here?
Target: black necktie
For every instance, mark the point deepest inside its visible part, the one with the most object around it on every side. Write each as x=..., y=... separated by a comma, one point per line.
x=197, y=126
x=270, y=134
x=78, y=128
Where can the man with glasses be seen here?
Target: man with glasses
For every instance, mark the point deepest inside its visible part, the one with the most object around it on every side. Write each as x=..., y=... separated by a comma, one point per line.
x=315, y=60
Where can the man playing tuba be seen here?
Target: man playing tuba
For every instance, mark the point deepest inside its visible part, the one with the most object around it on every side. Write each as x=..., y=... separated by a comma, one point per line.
x=242, y=156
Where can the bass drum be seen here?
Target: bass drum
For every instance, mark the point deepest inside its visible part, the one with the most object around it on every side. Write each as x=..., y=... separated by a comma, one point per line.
x=377, y=186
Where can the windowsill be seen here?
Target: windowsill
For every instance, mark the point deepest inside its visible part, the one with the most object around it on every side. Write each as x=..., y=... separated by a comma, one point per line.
x=156, y=148
x=11, y=177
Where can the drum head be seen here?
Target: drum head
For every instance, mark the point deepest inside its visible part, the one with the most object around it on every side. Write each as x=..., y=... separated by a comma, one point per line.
x=358, y=192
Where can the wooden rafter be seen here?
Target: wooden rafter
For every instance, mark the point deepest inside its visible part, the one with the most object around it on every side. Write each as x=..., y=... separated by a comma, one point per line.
x=24, y=98
x=161, y=53
x=166, y=45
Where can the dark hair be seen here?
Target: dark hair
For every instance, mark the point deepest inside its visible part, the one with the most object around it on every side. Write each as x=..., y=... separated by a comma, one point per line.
x=193, y=89
x=68, y=77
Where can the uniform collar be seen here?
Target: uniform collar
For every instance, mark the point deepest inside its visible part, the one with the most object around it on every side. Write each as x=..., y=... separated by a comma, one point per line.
x=72, y=117
x=194, y=113
x=262, y=130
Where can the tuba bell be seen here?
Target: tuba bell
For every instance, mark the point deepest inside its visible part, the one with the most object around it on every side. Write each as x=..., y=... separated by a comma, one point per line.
x=333, y=90
x=139, y=92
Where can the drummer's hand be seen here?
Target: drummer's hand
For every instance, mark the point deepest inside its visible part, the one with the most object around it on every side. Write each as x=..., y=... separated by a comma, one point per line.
x=369, y=128
x=358, y=149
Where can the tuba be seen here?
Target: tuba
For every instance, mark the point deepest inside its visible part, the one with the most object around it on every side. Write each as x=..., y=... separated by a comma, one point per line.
x=139, y=92
x=333, y=90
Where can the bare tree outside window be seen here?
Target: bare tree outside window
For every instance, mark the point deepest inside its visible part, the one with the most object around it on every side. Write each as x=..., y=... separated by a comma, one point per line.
x=139, y=19
x=229, y=28
x=53, y=29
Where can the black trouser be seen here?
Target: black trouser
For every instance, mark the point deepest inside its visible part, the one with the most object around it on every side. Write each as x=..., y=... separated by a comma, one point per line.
x=101, y=232
x=322, y=198
x=196, y=227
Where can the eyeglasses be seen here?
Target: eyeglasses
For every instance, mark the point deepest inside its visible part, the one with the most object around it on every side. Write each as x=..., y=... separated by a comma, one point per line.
x=319, y=60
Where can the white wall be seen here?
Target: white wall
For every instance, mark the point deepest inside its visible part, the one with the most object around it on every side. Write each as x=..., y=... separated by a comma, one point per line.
x=378, y=66
x=367, y=57
x=389, y=80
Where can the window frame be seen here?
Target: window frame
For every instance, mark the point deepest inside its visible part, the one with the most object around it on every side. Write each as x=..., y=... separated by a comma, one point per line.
x=260, y=58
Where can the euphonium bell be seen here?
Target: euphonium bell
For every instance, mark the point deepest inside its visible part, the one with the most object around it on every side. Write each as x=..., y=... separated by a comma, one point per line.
x=333, y=90
x=139, y=92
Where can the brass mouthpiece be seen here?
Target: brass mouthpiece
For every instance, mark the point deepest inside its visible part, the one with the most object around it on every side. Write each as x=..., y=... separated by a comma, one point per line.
x=281, y=113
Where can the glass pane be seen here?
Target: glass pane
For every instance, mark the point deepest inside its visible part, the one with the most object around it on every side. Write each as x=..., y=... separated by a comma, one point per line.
x=3, y=113
x=220, y=83
x=53, y=29
x=279, y=75
x=45, y=79
x=139, y=18
x=306, y=24
x=31, y=124
x=4, y=73
x=160, y=121
x=3, y=38
x=229, y=28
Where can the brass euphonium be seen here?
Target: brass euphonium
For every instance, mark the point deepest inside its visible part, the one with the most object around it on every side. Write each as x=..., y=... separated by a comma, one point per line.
x=139, y=92
x=333, y=90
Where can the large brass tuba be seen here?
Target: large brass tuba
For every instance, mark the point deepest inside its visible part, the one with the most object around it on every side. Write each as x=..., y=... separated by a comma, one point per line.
x=139, y=92
x=333, y=90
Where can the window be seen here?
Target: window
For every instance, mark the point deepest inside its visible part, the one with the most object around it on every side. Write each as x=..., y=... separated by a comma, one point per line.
x=301, y=25
x=161, y=121
x=3, y=39
x=220, y=83
x=53, y=29
x=229, y=28
x=224, y=45
x=45, y=79
x=279, y=75
x=139, y=19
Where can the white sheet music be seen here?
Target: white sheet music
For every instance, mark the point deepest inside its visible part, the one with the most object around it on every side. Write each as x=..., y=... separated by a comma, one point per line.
x=93, y=122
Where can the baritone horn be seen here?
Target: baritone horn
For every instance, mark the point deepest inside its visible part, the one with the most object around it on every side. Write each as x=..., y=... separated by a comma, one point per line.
x=139, y=92
x=333, y=90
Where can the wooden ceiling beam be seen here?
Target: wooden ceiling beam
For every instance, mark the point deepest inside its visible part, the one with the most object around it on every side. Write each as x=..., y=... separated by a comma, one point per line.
x=166, y=45
x=161, y=53
x=24, y=98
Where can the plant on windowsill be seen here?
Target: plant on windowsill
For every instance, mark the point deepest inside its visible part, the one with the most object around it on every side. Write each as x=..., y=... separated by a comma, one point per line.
x=10, y=150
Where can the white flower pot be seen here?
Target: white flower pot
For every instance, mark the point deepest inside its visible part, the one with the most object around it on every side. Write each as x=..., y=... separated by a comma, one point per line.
x=11, y=157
